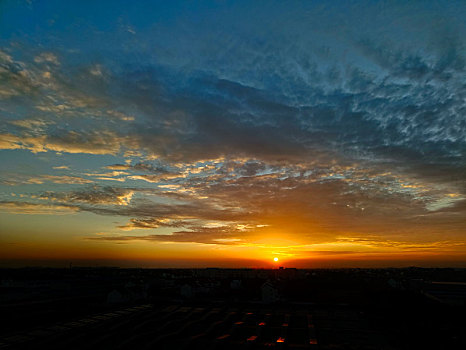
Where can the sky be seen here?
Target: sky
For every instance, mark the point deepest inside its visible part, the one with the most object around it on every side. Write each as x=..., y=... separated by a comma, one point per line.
x=227, y=133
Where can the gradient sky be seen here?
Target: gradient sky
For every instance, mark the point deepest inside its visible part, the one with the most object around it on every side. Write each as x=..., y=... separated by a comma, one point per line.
x=226, y=133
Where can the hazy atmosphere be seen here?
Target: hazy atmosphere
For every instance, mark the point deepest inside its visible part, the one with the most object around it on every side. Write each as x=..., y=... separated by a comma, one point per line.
x=230, y=133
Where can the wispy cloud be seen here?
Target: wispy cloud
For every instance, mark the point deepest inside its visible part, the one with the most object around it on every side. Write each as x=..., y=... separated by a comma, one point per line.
x=92, y=195
x=36, y=209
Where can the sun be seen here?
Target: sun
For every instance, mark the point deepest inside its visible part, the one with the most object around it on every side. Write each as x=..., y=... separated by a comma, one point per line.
x=275, y=259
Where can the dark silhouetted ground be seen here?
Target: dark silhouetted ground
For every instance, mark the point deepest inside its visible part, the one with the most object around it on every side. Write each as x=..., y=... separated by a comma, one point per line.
x=111, y=308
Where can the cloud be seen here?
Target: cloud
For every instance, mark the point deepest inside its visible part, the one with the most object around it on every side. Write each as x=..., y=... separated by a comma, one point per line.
x=157, y=173
x=310, y=201
x=204, y=235
x=148, y=178
x=291, y=121
x=47, y=57
x=62, y=167
x=60, y=179
x=152, y=223
x=118, y=167
x=93, y=195
x=41, y=179
x=35, y=209
x=104, y=142
x=15, y=80
x=120, y=115
x=30, y=123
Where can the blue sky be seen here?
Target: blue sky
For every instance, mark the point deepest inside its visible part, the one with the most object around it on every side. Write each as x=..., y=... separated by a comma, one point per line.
x=338, y=126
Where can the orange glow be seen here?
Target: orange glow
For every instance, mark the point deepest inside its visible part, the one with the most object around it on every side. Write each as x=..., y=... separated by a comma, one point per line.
x=266, y=249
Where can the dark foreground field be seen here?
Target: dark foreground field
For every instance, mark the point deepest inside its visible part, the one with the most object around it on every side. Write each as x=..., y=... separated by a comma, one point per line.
x=84, y=308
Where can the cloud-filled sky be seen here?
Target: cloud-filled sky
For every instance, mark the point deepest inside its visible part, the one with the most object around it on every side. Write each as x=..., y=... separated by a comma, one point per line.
x=226, y=133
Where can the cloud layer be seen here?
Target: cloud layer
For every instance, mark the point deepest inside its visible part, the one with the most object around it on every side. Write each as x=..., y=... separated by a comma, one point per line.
x=229, y=123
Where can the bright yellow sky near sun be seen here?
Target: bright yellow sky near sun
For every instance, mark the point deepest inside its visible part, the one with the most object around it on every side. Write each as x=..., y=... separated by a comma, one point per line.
x=42, y=241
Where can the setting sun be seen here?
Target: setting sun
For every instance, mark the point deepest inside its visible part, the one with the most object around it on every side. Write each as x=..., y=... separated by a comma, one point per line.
x=275, y=259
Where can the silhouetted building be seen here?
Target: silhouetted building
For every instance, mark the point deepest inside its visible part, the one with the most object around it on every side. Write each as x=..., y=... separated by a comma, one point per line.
x=270, y=293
